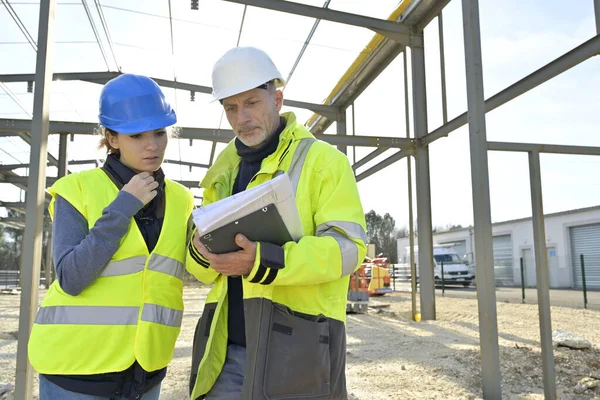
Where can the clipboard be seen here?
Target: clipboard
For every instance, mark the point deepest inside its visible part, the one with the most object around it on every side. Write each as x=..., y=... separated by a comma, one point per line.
x=263, y=225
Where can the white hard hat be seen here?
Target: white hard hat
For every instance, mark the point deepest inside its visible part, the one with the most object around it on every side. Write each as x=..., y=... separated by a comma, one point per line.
x=242, y=69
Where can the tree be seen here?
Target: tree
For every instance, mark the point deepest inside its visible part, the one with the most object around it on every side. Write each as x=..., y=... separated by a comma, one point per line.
x=382, y=232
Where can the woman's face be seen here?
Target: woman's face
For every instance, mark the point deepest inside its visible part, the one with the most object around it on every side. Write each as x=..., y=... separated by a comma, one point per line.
x=142, y=152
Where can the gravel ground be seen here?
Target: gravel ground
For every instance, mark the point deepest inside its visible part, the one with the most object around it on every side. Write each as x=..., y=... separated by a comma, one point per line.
x=391, y=357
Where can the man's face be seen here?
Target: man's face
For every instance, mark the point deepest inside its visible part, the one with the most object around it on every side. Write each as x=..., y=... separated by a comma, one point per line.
x=254, y=115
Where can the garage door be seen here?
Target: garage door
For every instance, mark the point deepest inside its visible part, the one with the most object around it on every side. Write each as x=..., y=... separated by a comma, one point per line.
x=503, y=260
x=586, y=240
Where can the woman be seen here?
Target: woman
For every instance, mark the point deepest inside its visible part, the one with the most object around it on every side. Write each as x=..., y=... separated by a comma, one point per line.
x=108, y=325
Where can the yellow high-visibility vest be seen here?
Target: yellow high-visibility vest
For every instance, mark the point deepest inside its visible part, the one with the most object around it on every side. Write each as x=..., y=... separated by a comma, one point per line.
x=133, y=310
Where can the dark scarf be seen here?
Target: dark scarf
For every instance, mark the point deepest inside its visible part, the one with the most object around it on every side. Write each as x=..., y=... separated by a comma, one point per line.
x=150, y=218
x=250, y=165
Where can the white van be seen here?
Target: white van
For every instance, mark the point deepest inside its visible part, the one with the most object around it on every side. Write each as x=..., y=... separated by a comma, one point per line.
x=456, y=271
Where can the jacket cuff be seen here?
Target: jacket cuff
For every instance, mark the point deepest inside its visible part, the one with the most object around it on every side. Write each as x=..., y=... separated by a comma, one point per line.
x=196, y=256
x=269, y=260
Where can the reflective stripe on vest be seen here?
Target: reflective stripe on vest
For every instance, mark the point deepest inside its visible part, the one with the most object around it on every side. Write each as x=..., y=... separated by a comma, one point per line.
x=348, y=248
x=133, y=265
x=166, y=265
x=88, y=315
x=107, y=315
x=124, y=267
x=162, y=315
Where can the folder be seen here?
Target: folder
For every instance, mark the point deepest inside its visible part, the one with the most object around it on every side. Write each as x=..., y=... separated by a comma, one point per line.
x=264, y=225
x=265, y=213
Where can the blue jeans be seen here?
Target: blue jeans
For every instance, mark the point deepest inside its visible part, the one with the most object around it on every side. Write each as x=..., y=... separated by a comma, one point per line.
x=229, y=383
x=50, y=391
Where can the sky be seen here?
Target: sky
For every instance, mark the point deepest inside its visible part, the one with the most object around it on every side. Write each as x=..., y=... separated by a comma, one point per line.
x=517, y=38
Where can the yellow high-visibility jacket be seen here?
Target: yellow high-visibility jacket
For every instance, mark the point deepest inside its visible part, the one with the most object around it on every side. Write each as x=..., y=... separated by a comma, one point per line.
x=133, y=310
x=295, y=316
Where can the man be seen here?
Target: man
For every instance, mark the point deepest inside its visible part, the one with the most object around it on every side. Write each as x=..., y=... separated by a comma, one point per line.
x=274, y=322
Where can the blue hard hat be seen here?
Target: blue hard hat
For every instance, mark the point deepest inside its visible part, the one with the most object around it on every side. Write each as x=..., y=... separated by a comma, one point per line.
x=131, y=104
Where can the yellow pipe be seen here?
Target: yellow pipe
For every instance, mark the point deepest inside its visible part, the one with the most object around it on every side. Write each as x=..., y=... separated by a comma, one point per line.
x=377, y=39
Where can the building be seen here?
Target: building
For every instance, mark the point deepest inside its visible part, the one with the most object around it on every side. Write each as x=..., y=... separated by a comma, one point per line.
x=569, y=234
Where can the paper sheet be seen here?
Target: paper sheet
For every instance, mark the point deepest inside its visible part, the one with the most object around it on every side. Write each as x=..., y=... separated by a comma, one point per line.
x=277, y=191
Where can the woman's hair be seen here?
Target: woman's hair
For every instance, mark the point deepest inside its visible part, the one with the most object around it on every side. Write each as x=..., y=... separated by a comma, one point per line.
x=104, y=132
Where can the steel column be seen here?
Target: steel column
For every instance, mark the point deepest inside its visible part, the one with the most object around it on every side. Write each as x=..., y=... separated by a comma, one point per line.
x=32, y=254
x=341, y=130
x=63, y=143
x=425, y=235
x=542, y=276
x=484, y=257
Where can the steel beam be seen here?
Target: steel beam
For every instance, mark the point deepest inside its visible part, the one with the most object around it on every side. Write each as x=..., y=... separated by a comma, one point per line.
x=443, y=68
x=341, y=131
x=103, y=77
x=106, y=32
x=49, y=257
x=425, y=237
x=10, y=167
x=32, y=238
x=186, y=163
x=96, y=34
x=542, y=275
x=484, y=257
x=25, y=181
x=385, y=163
x=597, y=15
x=306, y=43
x=433, y=12
x=14, y=205
x=372, y=155
x=547, y=72
x=544, y=148
x=394, y=30
x=20, y=24
x=411, y=230
x=215, y=135
x=11, y=222
x=63, y=142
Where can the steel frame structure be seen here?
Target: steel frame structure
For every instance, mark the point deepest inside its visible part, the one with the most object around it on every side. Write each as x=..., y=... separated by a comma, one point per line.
x=404, y=28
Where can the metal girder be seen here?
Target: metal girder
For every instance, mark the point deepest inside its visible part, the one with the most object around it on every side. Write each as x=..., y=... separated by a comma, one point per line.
x=16, y=206
x=215, y=135
x=597, y=15
x=434, y=10
x=186, y=163
x=10, y=167
x=547, y=72
x=369, y=157
x=23, y=180
x=362, y=73
x=96, y=34
x=394, y=30
x=306, y=42
x=12, y=223
x=106, y=32
x=542, y=276
x=20, y=24
x=375, y=63
x=388, y=161
x=32, y=237
x=484, y=256
x=544, y=148
x=103, y=77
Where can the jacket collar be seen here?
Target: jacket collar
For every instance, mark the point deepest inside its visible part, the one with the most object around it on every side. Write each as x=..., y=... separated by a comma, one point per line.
x=229, y=160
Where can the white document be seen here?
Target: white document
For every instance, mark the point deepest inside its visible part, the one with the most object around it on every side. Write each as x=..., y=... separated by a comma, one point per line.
x=277, y=191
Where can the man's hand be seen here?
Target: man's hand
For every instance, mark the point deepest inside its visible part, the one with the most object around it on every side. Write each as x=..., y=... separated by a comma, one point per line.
x=230, y=264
